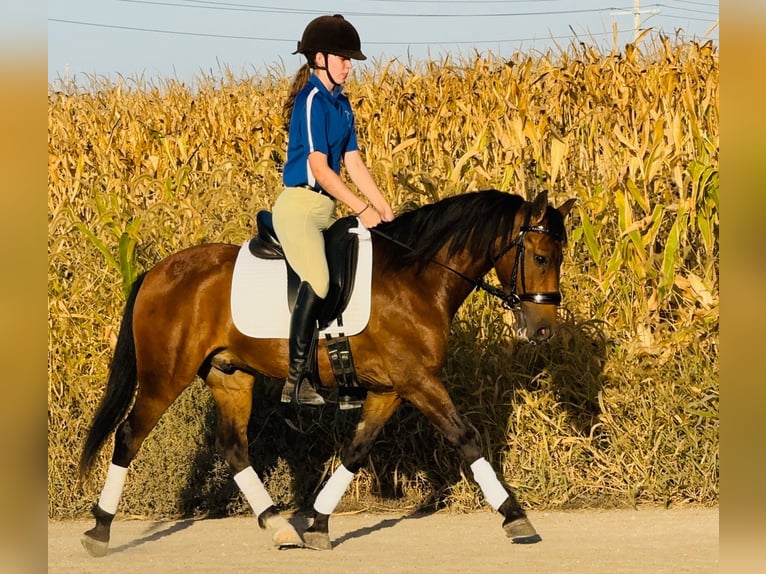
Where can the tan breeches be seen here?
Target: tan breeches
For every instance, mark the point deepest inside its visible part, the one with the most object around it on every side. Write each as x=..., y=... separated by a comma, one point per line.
x=299, y=217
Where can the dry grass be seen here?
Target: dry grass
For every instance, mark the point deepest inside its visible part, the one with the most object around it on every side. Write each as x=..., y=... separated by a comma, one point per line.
x=622, y=409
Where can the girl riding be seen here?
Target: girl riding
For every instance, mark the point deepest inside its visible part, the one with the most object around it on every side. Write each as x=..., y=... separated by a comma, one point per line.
x=322, y=135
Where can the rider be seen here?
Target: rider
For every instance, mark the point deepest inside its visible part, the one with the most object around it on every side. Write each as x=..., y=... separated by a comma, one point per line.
x=321, y=135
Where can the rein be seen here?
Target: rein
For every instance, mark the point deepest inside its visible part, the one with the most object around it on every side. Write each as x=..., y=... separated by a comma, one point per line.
x=508, y=301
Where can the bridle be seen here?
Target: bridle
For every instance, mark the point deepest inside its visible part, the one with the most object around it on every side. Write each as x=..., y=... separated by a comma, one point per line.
x=512, y=300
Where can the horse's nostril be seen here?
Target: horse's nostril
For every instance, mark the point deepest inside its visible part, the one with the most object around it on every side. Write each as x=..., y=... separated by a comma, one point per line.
x=542, y=333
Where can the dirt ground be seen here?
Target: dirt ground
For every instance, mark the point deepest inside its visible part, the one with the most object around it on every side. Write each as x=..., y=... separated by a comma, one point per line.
x=593, y=542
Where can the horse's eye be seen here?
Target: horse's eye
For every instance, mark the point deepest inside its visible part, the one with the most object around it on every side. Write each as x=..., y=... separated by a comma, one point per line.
x=541, y=259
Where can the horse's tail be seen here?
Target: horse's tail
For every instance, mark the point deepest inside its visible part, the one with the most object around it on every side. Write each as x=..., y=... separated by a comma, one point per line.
x=120, y=388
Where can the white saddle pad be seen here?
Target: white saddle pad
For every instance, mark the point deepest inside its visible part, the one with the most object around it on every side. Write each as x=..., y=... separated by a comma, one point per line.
x=259, y=294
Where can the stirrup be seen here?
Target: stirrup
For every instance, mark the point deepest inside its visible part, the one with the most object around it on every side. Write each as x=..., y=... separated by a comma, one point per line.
x=351, y=398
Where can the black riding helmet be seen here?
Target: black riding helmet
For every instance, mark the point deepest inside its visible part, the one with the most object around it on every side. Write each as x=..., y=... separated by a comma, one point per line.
x=330, y=35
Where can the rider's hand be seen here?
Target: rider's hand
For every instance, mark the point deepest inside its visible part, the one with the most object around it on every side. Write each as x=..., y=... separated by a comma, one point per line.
x=385, y=211
x=369, y=217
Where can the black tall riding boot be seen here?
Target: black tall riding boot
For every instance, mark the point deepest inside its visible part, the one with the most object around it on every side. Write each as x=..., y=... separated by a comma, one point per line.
x=303, y=324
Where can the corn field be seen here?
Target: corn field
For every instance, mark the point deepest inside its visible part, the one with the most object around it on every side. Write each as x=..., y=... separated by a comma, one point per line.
x=620, y=409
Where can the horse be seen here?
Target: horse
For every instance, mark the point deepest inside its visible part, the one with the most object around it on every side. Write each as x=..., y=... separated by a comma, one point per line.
x=177, y=325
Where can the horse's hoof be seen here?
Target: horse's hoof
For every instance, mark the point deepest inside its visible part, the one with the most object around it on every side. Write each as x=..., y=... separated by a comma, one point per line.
x=283, y=535
x=521, y=531
x=94, y=547
x=317, y=540
x=287, y=538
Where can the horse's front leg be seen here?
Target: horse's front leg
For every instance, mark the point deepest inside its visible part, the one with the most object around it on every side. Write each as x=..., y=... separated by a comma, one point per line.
x=432, y=399
x=377, y=410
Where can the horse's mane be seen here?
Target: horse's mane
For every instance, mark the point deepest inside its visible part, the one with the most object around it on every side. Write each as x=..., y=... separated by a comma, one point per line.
x=471, y=220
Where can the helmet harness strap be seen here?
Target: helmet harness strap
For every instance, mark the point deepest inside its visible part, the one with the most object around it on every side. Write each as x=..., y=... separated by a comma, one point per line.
x=326, y=68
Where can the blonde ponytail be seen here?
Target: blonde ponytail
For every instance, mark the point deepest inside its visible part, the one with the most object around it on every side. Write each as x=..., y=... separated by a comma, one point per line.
x=300, y=79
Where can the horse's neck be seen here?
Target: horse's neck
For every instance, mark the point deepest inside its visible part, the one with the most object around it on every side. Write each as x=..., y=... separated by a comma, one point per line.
x=459, y=275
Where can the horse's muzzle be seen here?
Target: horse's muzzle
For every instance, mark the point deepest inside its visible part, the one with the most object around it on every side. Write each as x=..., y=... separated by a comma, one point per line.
x=531, y=329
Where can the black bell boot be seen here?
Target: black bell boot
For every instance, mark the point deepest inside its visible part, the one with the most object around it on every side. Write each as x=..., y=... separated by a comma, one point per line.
x=303, y=325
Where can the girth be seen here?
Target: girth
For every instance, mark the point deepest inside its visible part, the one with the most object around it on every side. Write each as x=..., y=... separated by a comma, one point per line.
x=341, y=250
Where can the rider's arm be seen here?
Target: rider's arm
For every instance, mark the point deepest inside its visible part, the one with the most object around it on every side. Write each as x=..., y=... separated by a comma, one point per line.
x=332, y=183
x=360, y=175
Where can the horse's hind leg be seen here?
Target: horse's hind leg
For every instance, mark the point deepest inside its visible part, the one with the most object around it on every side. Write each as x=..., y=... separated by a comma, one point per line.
x=129, y=435
x=233, y=396
x=377, y=410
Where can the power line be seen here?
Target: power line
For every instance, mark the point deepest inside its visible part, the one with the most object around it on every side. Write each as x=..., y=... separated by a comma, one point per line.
x=676, y=17
x=175, y=32
x=707, y=4
x=240, y=7
x=684, y=9
x=469, y=2
x=232, y=6
x=292, y=40
x=220, y=5
x=462, y=1
x=236, y=7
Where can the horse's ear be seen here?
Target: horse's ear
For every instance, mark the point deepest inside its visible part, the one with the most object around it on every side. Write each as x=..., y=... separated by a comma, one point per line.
x=539, y=207
x=566, y=207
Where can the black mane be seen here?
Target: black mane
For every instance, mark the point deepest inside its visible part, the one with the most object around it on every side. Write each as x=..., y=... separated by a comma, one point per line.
x=471, y=220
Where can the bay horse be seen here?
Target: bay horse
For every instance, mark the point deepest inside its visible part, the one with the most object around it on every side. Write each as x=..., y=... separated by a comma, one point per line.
x=177, y=324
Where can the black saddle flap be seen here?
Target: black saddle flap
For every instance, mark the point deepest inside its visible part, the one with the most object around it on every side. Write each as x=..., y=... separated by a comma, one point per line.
x=342, y=251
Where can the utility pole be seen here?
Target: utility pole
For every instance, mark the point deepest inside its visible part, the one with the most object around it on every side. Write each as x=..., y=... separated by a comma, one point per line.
x=637, y=11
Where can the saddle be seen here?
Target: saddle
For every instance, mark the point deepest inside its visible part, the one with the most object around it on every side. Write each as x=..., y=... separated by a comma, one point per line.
x=341, y=250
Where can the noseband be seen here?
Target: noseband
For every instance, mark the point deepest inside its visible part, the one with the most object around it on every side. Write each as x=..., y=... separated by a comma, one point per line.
x=512, y=300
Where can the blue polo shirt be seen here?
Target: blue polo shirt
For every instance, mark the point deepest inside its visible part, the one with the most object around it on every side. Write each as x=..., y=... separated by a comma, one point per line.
x=321, y=121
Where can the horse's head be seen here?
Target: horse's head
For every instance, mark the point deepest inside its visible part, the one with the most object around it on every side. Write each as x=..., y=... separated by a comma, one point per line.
x=529, y=265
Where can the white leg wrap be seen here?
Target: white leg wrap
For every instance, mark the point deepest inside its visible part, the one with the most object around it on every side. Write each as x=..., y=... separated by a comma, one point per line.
x=253, y=489
x=112, y=491
x=485, y=476
x=332, y=492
